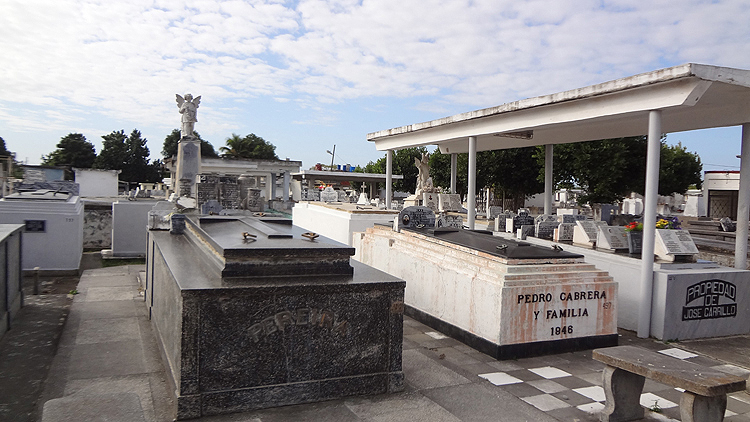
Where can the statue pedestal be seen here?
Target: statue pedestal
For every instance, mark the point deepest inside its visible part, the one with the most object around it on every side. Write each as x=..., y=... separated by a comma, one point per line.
x=188, y=165
x=412, y=201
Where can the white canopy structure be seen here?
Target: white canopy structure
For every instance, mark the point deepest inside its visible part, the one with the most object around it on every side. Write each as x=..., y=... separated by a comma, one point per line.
x=676, y=99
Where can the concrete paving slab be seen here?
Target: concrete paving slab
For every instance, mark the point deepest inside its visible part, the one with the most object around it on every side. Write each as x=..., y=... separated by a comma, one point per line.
x=109, y=309
x=121, y=407
x=137, y=384
x=426, y=373
x=106, y=360
x=477, y=403
x=102, y=294
x=91, y=331
x=104, y=280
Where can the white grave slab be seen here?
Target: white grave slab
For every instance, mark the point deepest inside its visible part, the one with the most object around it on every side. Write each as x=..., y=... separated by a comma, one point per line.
x=611, y=238
x=585, y=232
x=430, y=200
x=673, y=243
x=449, y=202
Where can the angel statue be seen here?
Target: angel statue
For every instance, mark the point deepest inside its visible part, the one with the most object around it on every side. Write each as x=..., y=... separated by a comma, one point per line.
x=189, y=110
x=424, y=181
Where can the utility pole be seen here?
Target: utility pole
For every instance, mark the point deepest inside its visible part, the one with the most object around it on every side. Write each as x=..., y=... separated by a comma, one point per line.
x=333, y=155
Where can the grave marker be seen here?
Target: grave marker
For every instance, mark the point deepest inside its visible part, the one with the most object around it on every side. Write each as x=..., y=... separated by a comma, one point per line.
x=430, y=200
x=611, y=238
x=673, y=244
x=447, y=220
x=329, y=195
x=564, y=232
x=416, y=217
x=449, y=202
x=545, y=229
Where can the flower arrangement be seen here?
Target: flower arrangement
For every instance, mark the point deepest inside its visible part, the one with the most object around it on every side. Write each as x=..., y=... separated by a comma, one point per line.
x=634, y=227
x=670, y=223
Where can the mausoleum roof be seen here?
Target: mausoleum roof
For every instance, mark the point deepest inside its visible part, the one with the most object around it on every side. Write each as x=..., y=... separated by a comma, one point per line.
x=690, y=96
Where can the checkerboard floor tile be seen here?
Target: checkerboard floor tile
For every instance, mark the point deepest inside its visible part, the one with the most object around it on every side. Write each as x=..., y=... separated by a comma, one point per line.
x=568, y=386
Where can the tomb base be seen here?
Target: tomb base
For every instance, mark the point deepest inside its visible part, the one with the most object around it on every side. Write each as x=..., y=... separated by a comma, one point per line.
x=518, y=303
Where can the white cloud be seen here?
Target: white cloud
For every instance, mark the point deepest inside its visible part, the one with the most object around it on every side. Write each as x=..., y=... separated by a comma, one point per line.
x=126, y=59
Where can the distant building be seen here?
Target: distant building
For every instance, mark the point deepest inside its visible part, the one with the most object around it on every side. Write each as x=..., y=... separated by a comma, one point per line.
x=97, y=183
x=720, y=191
x=32, y=173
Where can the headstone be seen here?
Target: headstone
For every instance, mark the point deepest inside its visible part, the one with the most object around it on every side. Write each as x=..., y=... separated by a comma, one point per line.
x=572, y=218
x=416, y=217
x=229, y=192
x=545, y=229
x=447, y=220
x=343, y=197
x=449, y=202
x=585, y=233
x=525, y=231
x=608, y=211
x=494, y=211
x=674, y=244
x=522, y=219
x=545, y=217
x=211, y=207
x=253, y=202
x=611, y=238
x=363, y=199
x=313, y=195
x=329, y=195
x=430, y=200
x=567, y=211
x=564, y=232
x=500, y=223
x=728, y=225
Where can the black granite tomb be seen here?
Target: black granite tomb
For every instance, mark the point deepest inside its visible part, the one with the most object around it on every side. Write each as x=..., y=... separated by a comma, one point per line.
x=253, y=313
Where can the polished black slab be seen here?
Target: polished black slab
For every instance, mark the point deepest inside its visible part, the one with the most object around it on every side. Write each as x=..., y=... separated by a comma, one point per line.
x=266, y=247
x=483, y=240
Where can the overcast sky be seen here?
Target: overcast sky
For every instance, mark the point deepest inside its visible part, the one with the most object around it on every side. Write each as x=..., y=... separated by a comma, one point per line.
x=308, y=74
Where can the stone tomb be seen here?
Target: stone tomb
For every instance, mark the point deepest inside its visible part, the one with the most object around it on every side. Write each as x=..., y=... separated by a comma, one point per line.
x=505, y=298
x=251, y=314
x=447, y=220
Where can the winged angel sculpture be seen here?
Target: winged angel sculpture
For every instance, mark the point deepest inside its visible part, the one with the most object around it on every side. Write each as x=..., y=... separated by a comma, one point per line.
x=189, y=109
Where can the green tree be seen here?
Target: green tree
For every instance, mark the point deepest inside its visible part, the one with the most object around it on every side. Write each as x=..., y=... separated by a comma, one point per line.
x=113, y=155
x=16, y=170
x=608, y=170
x=129, y=154
x=678, y=169
x=251, y=146
x=171, y=141
x=73, y=150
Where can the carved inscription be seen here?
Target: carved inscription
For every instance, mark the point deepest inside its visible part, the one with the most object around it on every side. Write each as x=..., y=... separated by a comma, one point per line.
x=310, y=317
x=551, y=313
x=710, y=299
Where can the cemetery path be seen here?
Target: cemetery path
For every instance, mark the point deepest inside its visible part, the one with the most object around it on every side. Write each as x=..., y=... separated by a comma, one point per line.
x=107, y=364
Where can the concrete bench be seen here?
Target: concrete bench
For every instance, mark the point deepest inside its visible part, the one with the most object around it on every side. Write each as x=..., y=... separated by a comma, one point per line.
x=704, y=399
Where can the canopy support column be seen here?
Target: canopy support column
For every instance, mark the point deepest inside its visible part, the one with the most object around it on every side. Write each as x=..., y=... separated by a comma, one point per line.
x=743, y=202
x=388, y=178
x=454, y=171
x=649, y=222
x=548, y=179
x=471, y=200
